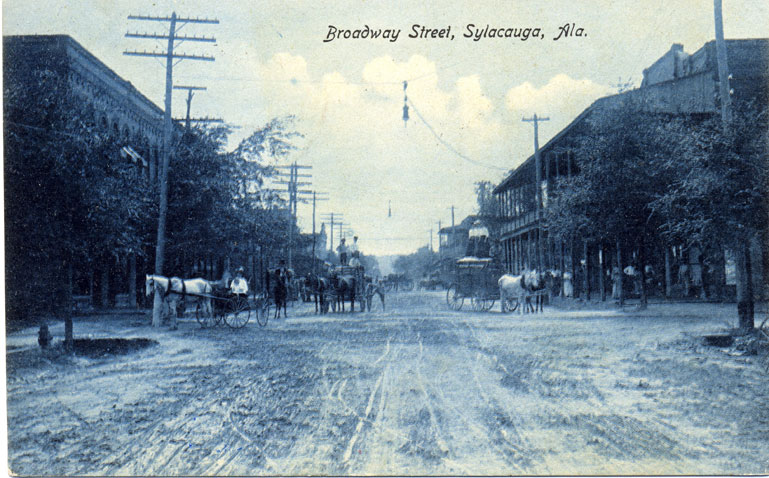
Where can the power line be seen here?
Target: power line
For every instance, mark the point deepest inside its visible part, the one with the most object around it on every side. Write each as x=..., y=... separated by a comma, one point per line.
x=447, y=145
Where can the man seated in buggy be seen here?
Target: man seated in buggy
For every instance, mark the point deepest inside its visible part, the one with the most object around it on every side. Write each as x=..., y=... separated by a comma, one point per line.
x=239, y=285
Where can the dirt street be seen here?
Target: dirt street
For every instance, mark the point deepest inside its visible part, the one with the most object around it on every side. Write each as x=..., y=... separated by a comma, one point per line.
x=415, y=390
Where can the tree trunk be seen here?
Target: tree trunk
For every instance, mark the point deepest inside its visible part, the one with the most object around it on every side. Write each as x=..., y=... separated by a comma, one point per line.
x=68, y=332
x=602, y=271
x=132, y=280
x=574, y=281
x=642, y=271
x=105, y=286
x=619, y=276
x=719, y=273
x=585, y=250
x=668, y=273
x=745, y=303
x=562, y=265
x=91, y=284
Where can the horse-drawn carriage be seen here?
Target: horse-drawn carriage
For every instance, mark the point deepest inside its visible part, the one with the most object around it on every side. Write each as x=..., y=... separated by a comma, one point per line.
x=214, y=303
x=483, y=282
x=474, y=279
x=235, y=310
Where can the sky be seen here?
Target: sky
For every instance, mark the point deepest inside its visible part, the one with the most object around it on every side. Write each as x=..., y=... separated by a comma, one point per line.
x=467, y=97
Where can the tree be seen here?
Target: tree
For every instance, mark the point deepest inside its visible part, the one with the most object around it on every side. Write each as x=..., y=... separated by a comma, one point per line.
x=718, y=190
x=609, y=199
x=417, y=264
x=70, y=198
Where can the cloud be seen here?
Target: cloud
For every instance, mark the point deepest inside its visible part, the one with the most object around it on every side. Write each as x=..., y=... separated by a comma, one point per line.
x=561, y=92
x=363, y=155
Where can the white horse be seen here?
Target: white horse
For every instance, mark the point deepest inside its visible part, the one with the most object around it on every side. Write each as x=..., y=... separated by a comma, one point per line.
x=519, y=288
x=175, y=290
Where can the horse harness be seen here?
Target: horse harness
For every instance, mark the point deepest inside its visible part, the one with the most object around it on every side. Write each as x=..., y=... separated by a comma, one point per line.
x=170, y=290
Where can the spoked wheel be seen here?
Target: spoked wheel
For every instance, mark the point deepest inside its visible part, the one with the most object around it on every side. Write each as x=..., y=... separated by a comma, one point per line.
x=488, y=304
x=477, y=304
x=262, y=312
x=509, y=305
x=238, y=312
x=206, y=321
x=454, y=300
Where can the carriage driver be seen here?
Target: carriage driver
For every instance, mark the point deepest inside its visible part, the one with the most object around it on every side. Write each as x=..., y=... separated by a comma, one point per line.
x=239, y=285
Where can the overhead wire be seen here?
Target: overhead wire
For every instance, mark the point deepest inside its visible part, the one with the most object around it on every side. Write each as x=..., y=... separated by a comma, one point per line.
x=449, y=146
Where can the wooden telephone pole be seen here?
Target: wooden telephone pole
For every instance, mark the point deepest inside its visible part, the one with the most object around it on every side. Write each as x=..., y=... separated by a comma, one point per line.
x=745, y=299
x=538, y=192
x=189, y=120
x=315, y=198
x=170, y=57
x=295, y=195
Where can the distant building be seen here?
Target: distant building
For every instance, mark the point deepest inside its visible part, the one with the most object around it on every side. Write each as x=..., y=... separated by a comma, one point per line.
x=453, y=239
x=676, y=84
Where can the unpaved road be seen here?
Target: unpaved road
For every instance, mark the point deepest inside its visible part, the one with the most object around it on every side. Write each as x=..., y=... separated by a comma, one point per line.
x=416, y=390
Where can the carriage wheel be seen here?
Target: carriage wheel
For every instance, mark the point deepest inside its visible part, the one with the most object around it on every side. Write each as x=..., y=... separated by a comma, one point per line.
x=509, y=305
x=477, y=303
x=454, y=300
x=238, y=312
x=207, y=321
x=488, y=304
x=262, y=312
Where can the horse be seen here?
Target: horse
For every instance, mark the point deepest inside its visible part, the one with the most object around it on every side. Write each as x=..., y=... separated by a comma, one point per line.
x=298, y=289
x=521, y=287
x=280, y=292
x=318, y=286
x=344, y=287
x=175, y=290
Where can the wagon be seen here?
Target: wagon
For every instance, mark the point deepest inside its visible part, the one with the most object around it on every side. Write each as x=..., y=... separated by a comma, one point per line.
x=235, y=310
x=365, y=288
x=474, y=279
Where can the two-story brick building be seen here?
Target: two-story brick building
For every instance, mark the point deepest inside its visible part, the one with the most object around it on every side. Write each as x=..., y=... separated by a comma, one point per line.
x=119, y=110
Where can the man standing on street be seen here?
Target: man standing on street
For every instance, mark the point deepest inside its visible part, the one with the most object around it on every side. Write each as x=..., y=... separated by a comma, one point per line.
x=342, y=250
x=354, y=252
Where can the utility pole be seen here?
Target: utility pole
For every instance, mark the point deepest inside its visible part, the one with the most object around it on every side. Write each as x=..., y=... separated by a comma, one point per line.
x=333, y=218
x=315, y=239
x=745, y=299
x=343, y=230
x=189, y=90
x=188, y=120
x=453, y=235
x=723, y=67
x=293, y=198
x=538, y=192
x=169, y=56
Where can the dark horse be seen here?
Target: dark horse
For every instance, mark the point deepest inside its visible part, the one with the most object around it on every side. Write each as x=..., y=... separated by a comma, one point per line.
x=279, y=290
x=318, y=287
x=344, y=287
